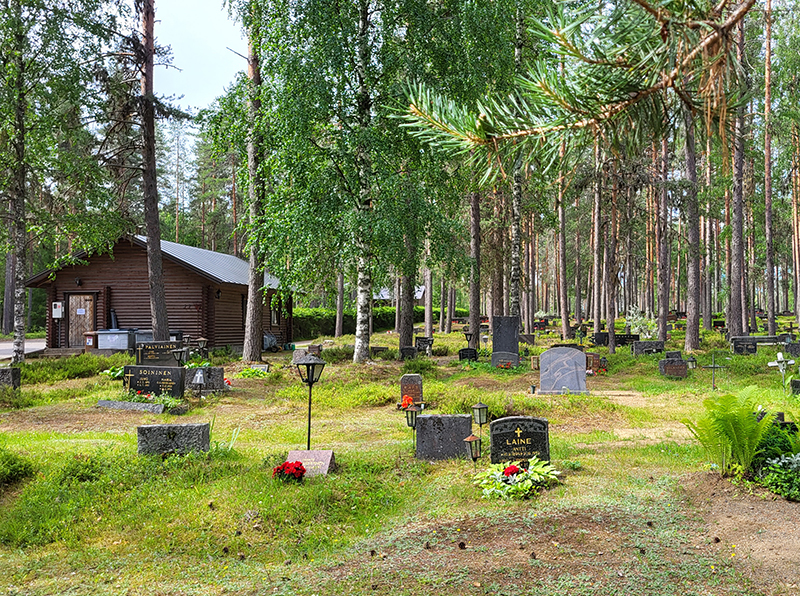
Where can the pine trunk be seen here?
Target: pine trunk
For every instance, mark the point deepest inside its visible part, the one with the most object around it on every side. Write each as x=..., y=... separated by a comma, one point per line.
x=692, y=341
x=596, y=273
x=770, y=281
x=475, y=270
x=663, y=243
x=736, y=306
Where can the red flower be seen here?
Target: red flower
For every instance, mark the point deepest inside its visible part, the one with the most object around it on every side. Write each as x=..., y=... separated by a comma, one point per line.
x=407, y=401
x=289, y=471
x=511, y=470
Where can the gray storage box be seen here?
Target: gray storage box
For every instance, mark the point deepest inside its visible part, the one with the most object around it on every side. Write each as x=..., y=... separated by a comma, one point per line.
x=115, y=339
x=146, y=335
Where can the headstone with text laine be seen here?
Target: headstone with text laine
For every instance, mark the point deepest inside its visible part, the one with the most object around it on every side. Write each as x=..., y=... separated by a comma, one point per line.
x=517, y=438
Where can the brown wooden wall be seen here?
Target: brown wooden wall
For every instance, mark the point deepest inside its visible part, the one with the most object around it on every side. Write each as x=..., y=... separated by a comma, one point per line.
x=121, y=283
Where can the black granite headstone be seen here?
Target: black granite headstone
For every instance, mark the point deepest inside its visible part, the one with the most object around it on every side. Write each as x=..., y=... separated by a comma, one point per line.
x=10, y=377
x=505, y=334
x=162, y=380
x=647, y=346
x=673, y=355
x=673, y=367
x=158, y=353
x=517, y=438
x=470, y=354
x=442, y=436
x=408, y=352
x=505, y=359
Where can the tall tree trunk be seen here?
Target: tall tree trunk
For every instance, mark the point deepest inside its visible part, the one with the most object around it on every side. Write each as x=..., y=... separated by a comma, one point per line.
x=339, y=329
x=610, y=274
x=771, y=330
x=406, y=330
x=451, y=309
x=563, y=296
x=663, y=242
x=578, y=297
x=8, y=294
x=444, y=314
x=253, y=324
x=475, y=270
x=709, y=276
x=596, y=273
x=18, y=184
x=428, y=277
x=516, y=192
x=692, y=341
x=397, y=290
x=364, y=168
x=736, y=307
x=155, y=275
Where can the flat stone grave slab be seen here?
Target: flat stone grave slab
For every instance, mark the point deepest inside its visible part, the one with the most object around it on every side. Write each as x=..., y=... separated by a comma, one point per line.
x=563, y=370
x=505, y=359
x=214, y=379
x=157, y=353
x=441, y=436
x=411, y=385
x=131, y=405
x=672, y=367
x=505, y=334
x=317, y=462
x=517, y=438
x=647, y=346
x=470, y=354
x=160, y=439
x=167, y=380
x=10, y=377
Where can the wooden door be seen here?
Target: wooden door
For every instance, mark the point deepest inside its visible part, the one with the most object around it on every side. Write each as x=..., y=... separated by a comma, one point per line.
x=81, y=318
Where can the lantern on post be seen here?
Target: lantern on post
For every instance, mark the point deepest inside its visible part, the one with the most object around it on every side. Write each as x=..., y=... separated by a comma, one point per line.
x=310, y=369
x=480, y=414
x=411, y=420
x=474, y=449
x=468, y=336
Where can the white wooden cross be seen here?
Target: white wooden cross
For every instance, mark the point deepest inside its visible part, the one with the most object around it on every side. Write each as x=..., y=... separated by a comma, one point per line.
x=781, y=363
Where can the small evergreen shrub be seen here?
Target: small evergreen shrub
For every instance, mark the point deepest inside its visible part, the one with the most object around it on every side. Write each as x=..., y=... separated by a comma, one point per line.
x=337, y=354
x=14, y=398
x=13, y=467
x=419, y=366
x=390, y=354
x=441, y=351
x=783, y=476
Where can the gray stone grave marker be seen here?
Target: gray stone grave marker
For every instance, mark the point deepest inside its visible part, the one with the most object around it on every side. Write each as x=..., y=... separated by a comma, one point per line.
x=214, y=379
x=131, y=405
x=673, y=367
x=159, y=439
x=505, y=358
x=408, y=352
x=517, y=438
x=317, y=462
x=563, y=370
x=468, y=354
x=157, y=353
x=647, y=346
x=505, y=334
x=673, y=355
x=411, y=385
x=442, y=436
x=10, y=377
x=162, y=380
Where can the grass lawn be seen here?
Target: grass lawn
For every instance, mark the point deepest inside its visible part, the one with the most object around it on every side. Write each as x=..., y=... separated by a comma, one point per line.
x=637, y=511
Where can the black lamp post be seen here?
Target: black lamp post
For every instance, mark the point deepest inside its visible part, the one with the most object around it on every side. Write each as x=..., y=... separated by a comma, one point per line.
x=310, y=369
x=411, y=420
x=480, y=414
x=468, y=335
x=474, y=449
x=691, y=363
x=178, y=355
x=202, y=343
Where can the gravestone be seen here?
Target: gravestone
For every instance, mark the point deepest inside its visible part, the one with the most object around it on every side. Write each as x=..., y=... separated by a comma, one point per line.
x=298, y=354
x=316, y=350
x=563, y=370
x=408, y=352
x=441, y=436
x=470, y=354
x=650, y=346
x=673, y=367
x=528, y=338
x=160, y=439
x=214, y=378
x=411, y=385
x=505, y=336
x=158, y=353
x=793, y=349
x=593, y=362
x=423, y=344
x=517, y=438
x=162, y=380
x=131, y=405
x=375, y=350
x=504, y=359
x=673, y=355
x=10, y=377
x=317, y=462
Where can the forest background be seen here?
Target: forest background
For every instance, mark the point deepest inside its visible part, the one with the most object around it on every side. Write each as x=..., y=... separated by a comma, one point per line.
x=313, y=166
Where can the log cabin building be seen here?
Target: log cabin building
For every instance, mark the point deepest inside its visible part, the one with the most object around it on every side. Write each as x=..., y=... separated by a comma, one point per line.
x=206, y=294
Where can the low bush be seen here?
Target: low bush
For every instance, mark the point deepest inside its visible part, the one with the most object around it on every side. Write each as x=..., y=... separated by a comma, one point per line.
x=13, y=467
x=419, y=366
x=441, y=351
x=783, y=476
x=390, y=354
x=15, y=398
x=46, y=370
x=337, y=354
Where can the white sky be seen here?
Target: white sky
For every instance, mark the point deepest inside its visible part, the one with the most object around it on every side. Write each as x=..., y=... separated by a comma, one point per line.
x=199, y=31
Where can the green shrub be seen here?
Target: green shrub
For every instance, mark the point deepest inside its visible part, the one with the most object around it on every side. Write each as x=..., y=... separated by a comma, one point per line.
x=253, y=373
x=390, y=354
x=783, y=476
x=15, y=398
x=48, y=370
x=337, y=354
x=509, y=481
x=13, y=467
x=775, y=443
x=441, y=351
x=419, y=366
x=730, y=432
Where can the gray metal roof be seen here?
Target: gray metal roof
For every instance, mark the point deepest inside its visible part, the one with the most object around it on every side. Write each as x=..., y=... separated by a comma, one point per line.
x=220, y=267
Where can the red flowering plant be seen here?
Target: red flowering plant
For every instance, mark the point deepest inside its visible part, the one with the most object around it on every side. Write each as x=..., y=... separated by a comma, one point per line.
x=516, y=481
x=289, y=471
x=407, y=402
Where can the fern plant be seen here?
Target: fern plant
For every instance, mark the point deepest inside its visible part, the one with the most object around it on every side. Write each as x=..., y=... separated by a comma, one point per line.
x=731, y=431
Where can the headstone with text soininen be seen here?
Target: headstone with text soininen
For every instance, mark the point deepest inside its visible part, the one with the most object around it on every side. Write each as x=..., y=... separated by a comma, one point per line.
x=516, y=438
x=411, y=385
x=157, y=353
x=162, y=380
x=317, y=462
x=563, y=370
x=441, y=436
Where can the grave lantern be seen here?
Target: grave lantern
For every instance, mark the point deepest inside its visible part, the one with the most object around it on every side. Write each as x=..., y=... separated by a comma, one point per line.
x=474, y=448
x=468, y=335
x=691, y=362
x=480, y=413
x=411, y=421
x=310, y=369
x=200, y=381
x=604, y=362
x=178, y=355
x=202, y=343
